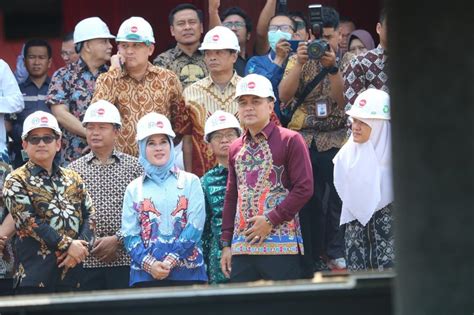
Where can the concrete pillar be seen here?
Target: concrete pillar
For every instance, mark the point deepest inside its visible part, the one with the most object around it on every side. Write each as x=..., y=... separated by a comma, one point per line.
x=431, y=70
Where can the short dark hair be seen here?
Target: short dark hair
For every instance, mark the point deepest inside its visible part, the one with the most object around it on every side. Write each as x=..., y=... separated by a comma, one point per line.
x=285, y=15
x=238, y=11
x=300, y=15
x=181, y=7
x=330, y=17
x=36, y=42
x=69, y=36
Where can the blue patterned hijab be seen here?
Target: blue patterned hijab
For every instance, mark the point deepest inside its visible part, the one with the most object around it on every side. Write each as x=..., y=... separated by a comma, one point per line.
x=158, y=174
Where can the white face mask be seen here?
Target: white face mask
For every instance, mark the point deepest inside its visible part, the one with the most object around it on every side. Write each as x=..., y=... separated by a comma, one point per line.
x=275, y=36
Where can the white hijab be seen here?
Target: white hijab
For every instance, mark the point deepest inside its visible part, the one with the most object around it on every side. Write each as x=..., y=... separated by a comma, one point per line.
x=363, y=173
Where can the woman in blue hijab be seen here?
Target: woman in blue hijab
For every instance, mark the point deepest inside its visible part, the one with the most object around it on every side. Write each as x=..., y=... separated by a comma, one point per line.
x=163, y=213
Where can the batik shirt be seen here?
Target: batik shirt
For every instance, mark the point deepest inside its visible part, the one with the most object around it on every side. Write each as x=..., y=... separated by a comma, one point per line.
x=214, y=186
x=269, y=174
x=329, y=132
x=189, y=69
x=164, y=222
x=364, y=72
x=203, y=98
x=158, y=91
x=73, y=86
x=50, y=211
x=7, y=258
x=106, y=183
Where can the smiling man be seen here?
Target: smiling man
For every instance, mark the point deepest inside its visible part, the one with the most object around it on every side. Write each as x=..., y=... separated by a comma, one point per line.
x=269, y=182
x=109, y=266
x=137, y=87
x=51, y=209
x=185, y=59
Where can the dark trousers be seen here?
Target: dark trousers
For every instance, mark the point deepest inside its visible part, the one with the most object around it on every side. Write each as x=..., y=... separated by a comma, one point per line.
x=106, y=278
x=322, y=235
x=265, y=267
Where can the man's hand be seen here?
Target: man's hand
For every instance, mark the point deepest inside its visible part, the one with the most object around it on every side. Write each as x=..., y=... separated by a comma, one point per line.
x=214, y=5
x=160, y=270
x=283, y=49
x=78, y=250
x=226, y=260
x=105, y=248
x=67, y=261
x=302, y=53
x=259, y=230
x=328, y=60
x=117, y=61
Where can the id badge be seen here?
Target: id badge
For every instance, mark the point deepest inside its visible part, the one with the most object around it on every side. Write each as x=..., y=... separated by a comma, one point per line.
x=24, y=156
x=321, y=109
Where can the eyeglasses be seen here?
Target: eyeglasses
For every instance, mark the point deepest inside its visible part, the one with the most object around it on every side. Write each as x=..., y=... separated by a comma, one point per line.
x=219, y=136
x=46, y=139
x=236, y=24
x=283, y=28
x=65, y=53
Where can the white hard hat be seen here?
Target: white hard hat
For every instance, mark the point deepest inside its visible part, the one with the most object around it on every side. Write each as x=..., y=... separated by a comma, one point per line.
x=254, y=84
x=220, y=37
x=91, y=28
x=152, y=124
x=372, y=104
x=102, y=112
x=135, y=29
x=40, y=119
x=218, y=121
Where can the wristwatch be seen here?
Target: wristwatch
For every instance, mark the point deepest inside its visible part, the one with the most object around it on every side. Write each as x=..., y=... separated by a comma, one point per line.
x=223, y=244
x=332, y=70
x=268, y=221
x=119, y=236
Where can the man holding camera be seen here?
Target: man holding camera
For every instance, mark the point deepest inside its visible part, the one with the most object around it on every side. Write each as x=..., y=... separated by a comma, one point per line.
x=318, y=115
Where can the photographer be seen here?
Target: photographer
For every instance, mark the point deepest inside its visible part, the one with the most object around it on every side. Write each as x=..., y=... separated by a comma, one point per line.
x=320, y=119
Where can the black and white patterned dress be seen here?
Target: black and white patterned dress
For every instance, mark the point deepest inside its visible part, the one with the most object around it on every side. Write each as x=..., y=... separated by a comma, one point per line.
x=371, y=247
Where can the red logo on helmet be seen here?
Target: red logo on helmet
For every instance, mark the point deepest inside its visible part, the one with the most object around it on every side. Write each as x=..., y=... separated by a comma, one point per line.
x=100, y=111
x=44, y=120
x=222, y=118
x=362, y=103
x=251, y=85
x=215, y=38
x=134, y=29
x=159, y=124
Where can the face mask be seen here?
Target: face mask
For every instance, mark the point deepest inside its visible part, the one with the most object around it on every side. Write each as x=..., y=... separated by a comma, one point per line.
x=275, y=36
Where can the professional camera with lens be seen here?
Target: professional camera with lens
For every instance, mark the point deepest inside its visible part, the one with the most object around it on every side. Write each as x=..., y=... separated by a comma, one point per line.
x=317, y=47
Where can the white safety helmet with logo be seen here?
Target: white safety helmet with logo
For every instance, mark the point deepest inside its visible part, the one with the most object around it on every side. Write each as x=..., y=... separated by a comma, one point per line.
x=371, y=104
x=40, y=119
x=152, y=124
x=136, y=29
x=102, y=111
x=91, y=28
x=220, y=37
x=254, y=84
x=218, y=121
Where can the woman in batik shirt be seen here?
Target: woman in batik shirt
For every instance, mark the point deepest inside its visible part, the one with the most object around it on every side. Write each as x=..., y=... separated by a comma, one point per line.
x=163, y=213
x=221, y=129
x=363, y=179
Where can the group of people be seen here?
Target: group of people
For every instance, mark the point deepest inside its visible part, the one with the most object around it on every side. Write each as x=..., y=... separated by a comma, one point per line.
x=205, y=167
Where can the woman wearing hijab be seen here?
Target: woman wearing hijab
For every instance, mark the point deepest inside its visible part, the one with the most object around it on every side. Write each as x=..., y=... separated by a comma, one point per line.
x=163, y=213
x=363, y=180
x=360, y=41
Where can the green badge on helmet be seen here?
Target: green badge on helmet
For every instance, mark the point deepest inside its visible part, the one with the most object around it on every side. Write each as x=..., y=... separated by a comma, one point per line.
x=385, y=109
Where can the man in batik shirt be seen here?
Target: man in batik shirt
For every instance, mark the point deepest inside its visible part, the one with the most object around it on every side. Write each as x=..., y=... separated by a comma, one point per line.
x=269, y=182
x=220, y=130
x=368, y=70
x=185, y=59
x=51, y=209
x=137, y=87
x=72, y=86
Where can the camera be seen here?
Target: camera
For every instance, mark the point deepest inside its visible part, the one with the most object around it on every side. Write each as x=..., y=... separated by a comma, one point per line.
x=317, y=47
